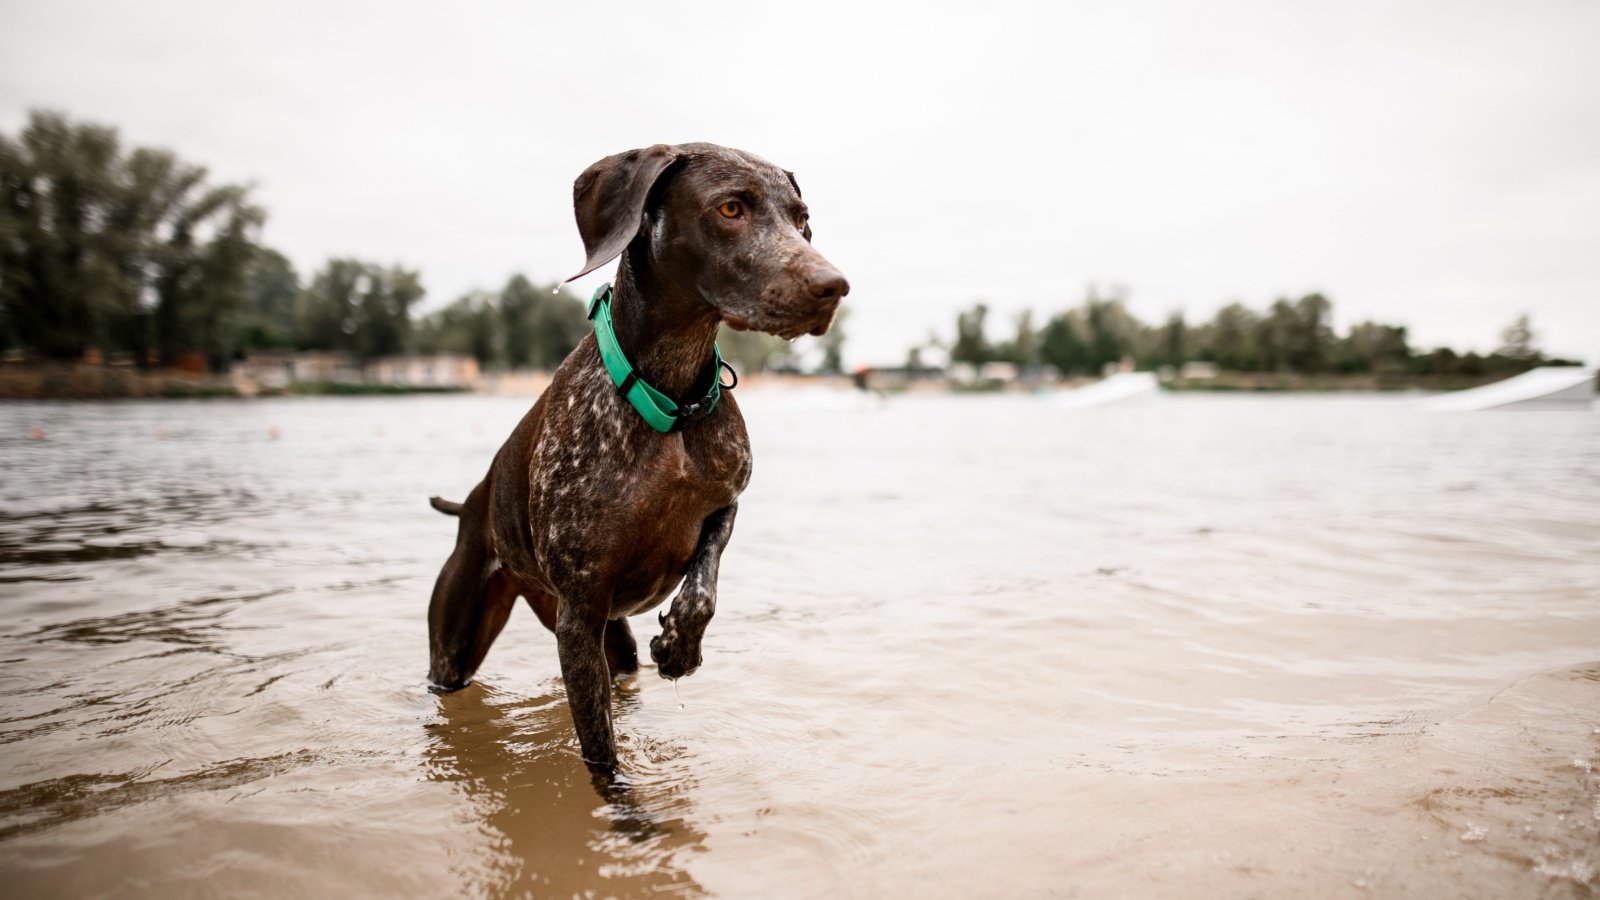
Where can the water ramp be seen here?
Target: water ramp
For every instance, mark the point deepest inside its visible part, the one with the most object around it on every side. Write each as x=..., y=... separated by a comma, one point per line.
x=1116, y=389
x=1549, y=387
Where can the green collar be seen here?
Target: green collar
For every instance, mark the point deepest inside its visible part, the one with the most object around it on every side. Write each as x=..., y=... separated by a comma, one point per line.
x=659, y=411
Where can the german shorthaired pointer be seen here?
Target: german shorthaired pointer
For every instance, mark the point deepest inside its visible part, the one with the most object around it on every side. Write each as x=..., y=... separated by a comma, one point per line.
x=597, y=506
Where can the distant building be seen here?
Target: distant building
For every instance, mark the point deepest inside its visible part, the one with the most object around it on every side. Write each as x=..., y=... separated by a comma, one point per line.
x=998, y=371
x=1124, y=364
x=967, y=374
x=455, y=370
x=320, y=365
x=271, y=369
x=1198, y=370
x=277, y=370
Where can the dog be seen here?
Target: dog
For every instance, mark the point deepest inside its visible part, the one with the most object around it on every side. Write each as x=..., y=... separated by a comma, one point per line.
x=596, y=508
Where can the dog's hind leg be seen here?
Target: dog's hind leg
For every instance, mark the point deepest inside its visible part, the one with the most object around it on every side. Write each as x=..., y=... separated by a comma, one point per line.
x=622, y=651
x=545, y=606
x=471, y=601
x=676, y=649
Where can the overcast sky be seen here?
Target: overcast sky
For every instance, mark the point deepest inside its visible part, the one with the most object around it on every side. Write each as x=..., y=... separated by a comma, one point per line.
x=1432, y=164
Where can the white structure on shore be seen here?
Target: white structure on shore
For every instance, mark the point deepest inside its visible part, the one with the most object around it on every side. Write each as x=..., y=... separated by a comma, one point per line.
x=1114, y=389
x=1549, y=387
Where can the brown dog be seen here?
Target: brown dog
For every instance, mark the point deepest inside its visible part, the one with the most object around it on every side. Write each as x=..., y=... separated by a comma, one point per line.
x=588, y=511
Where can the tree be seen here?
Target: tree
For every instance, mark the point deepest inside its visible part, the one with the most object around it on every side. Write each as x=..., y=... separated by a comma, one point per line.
x=467, y=325
x=1233, y=344
x=1062, y=344
x=560, y=321
x=1111, y=330
x=270, y=290
x=518, y=302
x=101, y=249
x=359, y=308
x=58, y=283
x=1173, y=347
x=971, y=346
x=202, y=284
x=1371, y=346
x=383, y=313
x=1517, y=341
x=1023, y=350
x=1276, y=337
x=1313, y=341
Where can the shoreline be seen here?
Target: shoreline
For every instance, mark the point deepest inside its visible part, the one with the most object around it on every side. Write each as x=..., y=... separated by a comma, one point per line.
x=100, y=383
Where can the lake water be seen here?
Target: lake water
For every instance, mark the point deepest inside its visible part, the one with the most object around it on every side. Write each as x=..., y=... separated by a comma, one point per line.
x=1218, y=646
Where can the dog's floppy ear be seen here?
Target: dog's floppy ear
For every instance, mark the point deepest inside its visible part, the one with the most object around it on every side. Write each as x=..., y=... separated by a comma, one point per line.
x=793, y=182
x=609, y=199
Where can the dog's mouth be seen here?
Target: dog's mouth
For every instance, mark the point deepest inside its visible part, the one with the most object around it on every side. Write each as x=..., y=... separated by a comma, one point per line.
x=815, y=325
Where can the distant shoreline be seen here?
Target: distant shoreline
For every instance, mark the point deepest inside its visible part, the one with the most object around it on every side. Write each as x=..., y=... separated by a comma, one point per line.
x=100, y=383
x=1295, y=382
x=91, y=382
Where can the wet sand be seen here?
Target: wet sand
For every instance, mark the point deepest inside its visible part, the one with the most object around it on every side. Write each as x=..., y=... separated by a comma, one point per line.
x=1199, y=646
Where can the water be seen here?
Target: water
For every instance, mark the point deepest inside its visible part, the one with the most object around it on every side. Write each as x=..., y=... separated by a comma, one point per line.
x=1199, y=646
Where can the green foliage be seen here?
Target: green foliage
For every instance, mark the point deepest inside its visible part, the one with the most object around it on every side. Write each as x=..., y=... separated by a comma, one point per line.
x=1173, y=348
x=118, y=251
x=1372, y=347
x=538, y=328
x=971, y=345
x=1082, y=341
x=560, y=322
x=271, y=288
x=1516, y=340
x=358, y=308
x=1024, y=348
x=523, y=326
x=518, y=305
x=1233, y=339
x=1063, y=345
x=1293, y=337
x=468, y=326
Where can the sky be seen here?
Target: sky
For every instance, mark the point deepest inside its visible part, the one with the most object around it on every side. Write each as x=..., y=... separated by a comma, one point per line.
x=1432, y=164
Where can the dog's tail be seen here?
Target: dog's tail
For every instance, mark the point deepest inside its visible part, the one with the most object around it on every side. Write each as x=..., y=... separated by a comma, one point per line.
x=447, y=507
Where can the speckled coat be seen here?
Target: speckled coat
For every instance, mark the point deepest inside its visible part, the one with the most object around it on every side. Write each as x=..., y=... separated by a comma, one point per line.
x=588, y=512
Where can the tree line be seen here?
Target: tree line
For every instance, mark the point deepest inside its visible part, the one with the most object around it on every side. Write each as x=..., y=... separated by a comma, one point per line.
x=1291, y=335
x=133, y=252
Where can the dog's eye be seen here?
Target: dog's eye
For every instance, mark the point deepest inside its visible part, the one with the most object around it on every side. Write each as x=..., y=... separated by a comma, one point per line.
x=732, y=209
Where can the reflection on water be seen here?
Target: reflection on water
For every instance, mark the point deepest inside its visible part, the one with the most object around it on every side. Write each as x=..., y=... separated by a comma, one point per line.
x=966, y=646
x=514, y=761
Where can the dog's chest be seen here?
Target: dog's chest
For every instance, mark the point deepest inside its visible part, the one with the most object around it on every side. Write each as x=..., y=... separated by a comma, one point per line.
x=604, y=487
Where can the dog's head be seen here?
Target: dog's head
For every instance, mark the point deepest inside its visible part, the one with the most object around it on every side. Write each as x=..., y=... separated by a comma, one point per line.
x=728, y=224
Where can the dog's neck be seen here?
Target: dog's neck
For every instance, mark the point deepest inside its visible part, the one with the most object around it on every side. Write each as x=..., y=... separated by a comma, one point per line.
x=666, y=331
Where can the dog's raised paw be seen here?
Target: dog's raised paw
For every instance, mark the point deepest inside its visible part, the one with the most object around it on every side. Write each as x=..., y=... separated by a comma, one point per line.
x=673, y=659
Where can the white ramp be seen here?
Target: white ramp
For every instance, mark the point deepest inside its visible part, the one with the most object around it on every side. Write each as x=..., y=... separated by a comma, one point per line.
x=1549, y=387
x=1116, y=389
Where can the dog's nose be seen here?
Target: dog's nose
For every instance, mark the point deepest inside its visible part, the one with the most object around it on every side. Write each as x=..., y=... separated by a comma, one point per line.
x=827, y=283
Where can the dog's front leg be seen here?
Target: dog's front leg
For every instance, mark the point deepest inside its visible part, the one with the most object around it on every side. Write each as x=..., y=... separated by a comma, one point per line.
x=580, y=642
x=676, y=649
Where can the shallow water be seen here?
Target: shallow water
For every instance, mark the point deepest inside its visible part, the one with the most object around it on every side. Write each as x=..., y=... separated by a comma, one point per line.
x=1196, y=646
